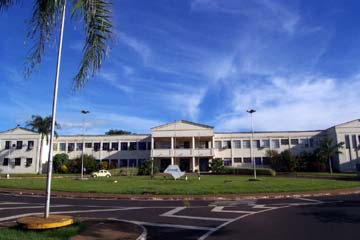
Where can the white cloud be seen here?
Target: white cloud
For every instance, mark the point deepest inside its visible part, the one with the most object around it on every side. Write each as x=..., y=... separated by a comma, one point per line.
x=139, y=47
x=116, y=81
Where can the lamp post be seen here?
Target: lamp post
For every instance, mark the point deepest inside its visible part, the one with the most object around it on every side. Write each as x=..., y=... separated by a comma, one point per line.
x=11, y=146
x=82, y=154
x=251, y=111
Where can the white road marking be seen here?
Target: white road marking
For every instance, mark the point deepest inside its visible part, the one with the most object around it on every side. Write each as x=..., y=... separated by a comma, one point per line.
x=309, y=200
x=31, y=207
x=172, y=212
x=221, y=209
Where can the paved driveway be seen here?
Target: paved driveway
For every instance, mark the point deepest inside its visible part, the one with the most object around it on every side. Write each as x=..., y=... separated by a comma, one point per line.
x=291, y=218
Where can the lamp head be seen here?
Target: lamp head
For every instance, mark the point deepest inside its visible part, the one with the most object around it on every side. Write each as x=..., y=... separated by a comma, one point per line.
x=251, y=110
x=85, y=111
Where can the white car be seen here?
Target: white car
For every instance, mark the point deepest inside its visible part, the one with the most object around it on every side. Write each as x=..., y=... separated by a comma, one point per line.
x=101, y=173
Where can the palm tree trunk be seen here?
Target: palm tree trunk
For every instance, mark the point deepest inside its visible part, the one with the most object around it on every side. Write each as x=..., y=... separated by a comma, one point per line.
x=40, y=154
x=330, y=165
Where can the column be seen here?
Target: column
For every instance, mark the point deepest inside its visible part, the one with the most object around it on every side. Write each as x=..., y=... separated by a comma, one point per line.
x=193, y=146
x=172, y=152
x=172, y=160
x=193, y=163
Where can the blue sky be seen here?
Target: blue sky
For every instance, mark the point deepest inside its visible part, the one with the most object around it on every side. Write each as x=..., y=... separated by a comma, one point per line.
x=296, y=62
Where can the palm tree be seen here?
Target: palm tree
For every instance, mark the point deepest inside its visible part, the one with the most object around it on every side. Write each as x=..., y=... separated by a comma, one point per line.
x=97, y=26
x=43, y=127
x=328, y=149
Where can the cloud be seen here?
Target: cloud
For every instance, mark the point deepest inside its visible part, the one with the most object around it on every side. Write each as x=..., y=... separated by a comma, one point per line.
x=114, y=80
x=187, y=103
x=294, y=103
x=138, y=46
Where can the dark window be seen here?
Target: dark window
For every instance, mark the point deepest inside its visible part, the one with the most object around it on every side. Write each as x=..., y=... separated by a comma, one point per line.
x=354, y=142
x=132, y=146
x=347, y=141
x=142, y=145
x=311, y=141
x=28, y=162
x=258, y=161
x=7, y=144
x=132, y=163
x=284, y=141
x=237, y=160
x=106, y=146
x=140, y=162
x=266, y=161
x=97, y=146
x=294, y=141
x=115, y=146
x=247, y=160
x=63, y=147
x=30, y=145
x=71, y=147
x=18, y=144
x=88, y=145
x=79, y=146
x=227, y=144
x=6, y=162
x=123, y=162
x=17, y=161
x=148, y=145
x=227, y=162
x=266, y=143
x=124, y=146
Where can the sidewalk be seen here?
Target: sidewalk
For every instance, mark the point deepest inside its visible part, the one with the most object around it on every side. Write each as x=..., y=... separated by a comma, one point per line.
x=181, y=197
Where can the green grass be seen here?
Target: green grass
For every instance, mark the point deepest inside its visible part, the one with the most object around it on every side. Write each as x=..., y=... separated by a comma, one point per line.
x=207, y=185
x=16, y=233
x=34, y=175
x=326, y=174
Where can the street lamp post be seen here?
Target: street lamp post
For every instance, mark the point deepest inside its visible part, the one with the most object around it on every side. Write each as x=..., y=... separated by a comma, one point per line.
x=12, y=146
x=82, y=148
x=251, y=111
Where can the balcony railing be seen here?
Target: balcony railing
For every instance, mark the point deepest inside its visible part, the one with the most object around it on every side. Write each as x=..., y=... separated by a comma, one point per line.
x=188, y=152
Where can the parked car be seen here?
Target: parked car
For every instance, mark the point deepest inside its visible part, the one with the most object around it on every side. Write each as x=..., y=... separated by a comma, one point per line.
x=101, y=173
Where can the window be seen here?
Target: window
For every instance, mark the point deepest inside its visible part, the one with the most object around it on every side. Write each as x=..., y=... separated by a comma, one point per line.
x=247, y=160
x=132, y=163
x=266, y=143
x=142, y=146
x=63, y=147
x=132, y=146
x=266, y=161
x=31, y=145
x=304, y=142
x=256, y=143
x=237, y=144
x=124, y=146
x=140, y=162
x=311, y=142
x=6, y=162
x=202, y=144
x=227, y=162
x=148, y=145
x=115, y=146
x=246, y=143
x=17, y=161
x=18, y=144
x=28, y=162
x=347, y=141
x=97, y=146
x=237, y=160
x=79, y=146
x=71, y=147
x=106, y=146
x=55, y=147
x=294, y=141
x=275, y=143
x=258, y=160
x=226, y=144
x=217, y=144
x=354, y=142
x=88, y=145
x=7, y=144
x=284, y=141
x=123, y=162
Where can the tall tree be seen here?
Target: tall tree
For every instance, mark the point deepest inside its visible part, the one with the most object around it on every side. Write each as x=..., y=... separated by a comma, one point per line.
x=329, y=149
x=117, y=132
x=46, y=15
x=42, y=126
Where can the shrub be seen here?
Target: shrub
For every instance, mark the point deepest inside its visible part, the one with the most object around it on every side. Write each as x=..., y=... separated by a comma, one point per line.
x=283, y=162
x=90, y=164
x=59, y=160
x=217, y=166
x=64, y=168
x=249, y=171
x=145, y=168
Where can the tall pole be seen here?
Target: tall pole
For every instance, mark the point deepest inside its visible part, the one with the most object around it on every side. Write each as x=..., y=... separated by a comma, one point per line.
x=251, y=111
x=53, y=116
x=83, y=140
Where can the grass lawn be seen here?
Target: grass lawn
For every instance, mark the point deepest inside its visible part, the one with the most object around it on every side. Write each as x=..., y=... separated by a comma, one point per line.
x=326, y=174
x=15, y=233
x=207, y=185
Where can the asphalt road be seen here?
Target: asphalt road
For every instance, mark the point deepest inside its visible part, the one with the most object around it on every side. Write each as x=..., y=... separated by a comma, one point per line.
x=328, y=218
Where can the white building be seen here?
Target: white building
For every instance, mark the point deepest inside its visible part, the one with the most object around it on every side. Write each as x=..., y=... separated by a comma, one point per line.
x=190, y=145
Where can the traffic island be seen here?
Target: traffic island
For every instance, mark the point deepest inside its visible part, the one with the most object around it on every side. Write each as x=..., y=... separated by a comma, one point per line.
x=39, y=222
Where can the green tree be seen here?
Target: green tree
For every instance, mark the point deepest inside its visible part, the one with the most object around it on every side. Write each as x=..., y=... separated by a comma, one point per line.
x=145, y=168
x=217, y=166
x=329, y=149
x=274, y=158
x=46, y=16
x=59, y=160
x=43, y=126
x=117, y=132
x=90, y=164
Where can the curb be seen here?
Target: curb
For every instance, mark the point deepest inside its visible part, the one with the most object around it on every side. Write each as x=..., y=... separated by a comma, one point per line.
x=58, y=194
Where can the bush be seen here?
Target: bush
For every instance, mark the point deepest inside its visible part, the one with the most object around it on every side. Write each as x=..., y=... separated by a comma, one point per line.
x=217, y=166
x=58, y=161
x=90, y=164
x=145, y=168
x=249, y=171
x=130, y=171
x=64, y=168
x=104, y=165
x=283, y=162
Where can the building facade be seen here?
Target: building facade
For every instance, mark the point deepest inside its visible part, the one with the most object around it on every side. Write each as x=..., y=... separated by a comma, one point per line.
x=190, y=145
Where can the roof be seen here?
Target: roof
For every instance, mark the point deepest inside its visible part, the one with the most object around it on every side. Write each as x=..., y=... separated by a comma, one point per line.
x=19, y=128
x=184, y=121
x=345, y=123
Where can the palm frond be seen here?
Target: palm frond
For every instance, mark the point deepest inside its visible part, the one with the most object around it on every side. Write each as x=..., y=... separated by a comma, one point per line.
x=95, y=16
x=5, y=4
x=44, y=18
